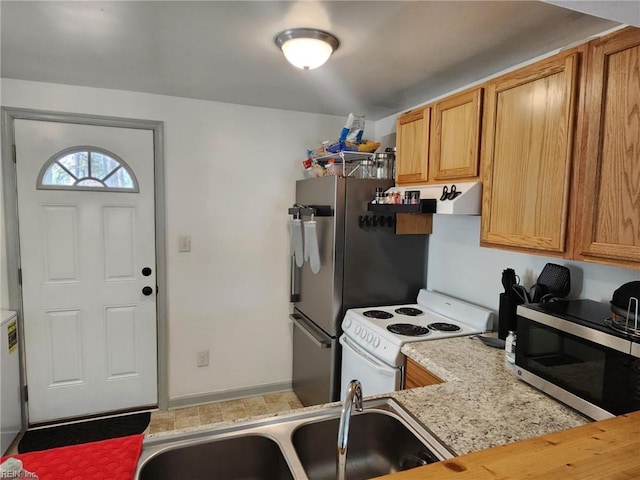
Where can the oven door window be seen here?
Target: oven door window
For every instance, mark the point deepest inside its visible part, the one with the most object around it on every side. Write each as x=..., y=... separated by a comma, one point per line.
x=603, y=376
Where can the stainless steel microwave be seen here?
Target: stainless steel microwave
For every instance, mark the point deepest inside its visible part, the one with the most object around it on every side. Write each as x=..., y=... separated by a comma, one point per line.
x=568, y=350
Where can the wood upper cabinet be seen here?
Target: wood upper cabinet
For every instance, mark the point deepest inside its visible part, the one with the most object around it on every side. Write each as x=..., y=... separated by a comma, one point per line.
x=440, y=142
x=454, y=151
x=418, y=376
x=526, y=157
x=609, y=184
x=412, y=140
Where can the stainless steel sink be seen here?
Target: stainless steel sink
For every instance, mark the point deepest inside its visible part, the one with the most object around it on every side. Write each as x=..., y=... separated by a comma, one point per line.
x=300, y=445
x=378, y=444
x=244, y=457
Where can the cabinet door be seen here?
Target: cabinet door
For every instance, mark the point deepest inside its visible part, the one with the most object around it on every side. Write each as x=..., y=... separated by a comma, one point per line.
x=610, y=189
x=412, y=140
x=527, y=155
x=418, y=376
x=455, y=137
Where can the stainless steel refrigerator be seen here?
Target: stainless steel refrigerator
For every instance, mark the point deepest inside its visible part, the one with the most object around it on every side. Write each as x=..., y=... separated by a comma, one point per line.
x=362, y=263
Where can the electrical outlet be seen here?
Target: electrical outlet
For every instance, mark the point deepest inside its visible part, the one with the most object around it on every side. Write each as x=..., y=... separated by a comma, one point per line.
x=184, y=243
x=203, y=358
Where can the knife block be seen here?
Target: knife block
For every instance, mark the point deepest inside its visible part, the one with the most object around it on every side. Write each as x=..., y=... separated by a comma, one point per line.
x=507, y=314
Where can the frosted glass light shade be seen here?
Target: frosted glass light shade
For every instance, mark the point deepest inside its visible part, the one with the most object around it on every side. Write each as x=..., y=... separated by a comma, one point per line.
x=306, y=53
x=306, y=48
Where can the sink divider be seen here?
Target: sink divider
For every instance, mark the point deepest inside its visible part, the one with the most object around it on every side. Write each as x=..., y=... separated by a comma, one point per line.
x=280, y=429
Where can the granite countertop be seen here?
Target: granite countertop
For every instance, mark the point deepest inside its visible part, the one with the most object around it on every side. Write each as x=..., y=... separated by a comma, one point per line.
x=481, y=404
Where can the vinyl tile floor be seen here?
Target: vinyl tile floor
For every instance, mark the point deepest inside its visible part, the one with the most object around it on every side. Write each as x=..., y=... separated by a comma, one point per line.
x=229, y=410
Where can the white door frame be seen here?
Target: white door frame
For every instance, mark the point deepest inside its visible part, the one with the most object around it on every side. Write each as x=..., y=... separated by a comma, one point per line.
x=10, y=196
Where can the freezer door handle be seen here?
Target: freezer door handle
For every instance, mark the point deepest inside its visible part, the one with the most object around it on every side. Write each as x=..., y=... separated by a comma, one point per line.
x=311, y=331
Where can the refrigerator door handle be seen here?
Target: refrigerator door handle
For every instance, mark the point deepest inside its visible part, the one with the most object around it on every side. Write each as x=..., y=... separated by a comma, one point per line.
x=321, y=341
x=295, y=282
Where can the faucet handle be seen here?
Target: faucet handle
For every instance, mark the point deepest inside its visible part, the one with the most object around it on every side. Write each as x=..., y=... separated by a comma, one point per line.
x=354, y=394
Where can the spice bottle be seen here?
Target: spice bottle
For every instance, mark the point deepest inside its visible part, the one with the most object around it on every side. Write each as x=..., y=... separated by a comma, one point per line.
x=379, y=195
x=510, y=348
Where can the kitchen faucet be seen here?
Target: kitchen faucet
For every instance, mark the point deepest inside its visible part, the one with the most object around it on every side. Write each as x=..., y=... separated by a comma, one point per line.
x=354, y=394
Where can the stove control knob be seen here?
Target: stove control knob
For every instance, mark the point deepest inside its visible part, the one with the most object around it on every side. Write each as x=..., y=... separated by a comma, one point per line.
x=376, y=342
x=358, y=329
x=369, y=337
x=347, y=323
x=363, y=333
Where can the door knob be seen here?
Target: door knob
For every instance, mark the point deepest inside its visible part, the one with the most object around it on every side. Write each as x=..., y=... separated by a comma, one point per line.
x=147, y=291
x=146, y=271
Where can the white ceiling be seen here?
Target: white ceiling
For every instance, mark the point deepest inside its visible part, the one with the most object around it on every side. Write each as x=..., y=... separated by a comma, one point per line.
x=393, y=54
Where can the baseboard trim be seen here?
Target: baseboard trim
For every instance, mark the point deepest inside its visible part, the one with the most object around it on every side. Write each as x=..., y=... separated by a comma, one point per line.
x=202, y=398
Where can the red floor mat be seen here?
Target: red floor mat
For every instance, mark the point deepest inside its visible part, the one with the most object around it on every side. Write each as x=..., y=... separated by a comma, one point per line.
x=113, y=459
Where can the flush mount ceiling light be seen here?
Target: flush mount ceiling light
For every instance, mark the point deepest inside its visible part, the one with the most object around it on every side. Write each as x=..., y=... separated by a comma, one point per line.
x=306, y=48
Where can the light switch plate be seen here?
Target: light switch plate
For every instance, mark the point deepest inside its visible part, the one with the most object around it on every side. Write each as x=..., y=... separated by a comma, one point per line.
x=184, y=243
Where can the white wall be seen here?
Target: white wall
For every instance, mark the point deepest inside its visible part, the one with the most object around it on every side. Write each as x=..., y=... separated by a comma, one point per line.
x=459, y=267
x=230, y=176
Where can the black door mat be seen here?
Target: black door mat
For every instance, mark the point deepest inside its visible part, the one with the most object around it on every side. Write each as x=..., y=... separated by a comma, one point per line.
x=83, y=432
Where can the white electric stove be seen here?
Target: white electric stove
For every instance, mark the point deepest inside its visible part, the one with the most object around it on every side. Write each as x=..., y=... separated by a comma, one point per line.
x=373, y=337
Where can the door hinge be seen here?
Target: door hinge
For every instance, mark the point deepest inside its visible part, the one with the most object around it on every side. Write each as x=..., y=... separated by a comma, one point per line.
x=26, y=393
x=20, y=276
x=14, y=153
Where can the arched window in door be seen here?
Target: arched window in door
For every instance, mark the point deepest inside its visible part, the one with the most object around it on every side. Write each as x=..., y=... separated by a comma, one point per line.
x=87, y=168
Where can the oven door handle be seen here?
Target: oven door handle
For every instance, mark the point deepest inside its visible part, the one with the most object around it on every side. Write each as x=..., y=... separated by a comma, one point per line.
x=382, y=368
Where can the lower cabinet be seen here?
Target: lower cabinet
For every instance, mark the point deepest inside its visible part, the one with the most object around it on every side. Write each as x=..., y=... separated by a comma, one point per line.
x=418, y=376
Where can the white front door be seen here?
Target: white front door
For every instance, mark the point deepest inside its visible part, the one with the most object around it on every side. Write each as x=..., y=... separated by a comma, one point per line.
x=87, y=231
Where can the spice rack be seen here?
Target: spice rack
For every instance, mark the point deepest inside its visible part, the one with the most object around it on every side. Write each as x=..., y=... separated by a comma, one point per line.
x=427, y=205
x=343, y=158
x=411, y=219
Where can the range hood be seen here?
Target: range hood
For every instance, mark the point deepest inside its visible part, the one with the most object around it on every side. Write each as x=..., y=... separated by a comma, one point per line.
x=451, y=198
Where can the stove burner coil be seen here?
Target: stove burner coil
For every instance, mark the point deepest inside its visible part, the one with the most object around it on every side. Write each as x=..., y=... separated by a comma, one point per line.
x=408, y=329
x=409, y=311
x=444, y=327
x=379, y=314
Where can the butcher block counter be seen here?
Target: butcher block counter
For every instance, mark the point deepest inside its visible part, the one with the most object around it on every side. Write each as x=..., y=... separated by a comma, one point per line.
x=502, y=428
x=605, y=450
